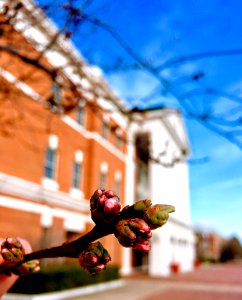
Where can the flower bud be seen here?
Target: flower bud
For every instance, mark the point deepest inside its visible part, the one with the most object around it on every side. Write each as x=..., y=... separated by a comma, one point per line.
x=139, y=224
x=109, y=194
x=111, y=206
x=94, y=258
x=158, y=214
x=104, y=205
x=132, y=232
x=142, y=205
x=124, y=234
x=27, y=268
x=12, y=250
x=143, y=246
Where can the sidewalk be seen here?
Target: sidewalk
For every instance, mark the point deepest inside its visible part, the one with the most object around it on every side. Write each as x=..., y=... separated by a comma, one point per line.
x=220, y=282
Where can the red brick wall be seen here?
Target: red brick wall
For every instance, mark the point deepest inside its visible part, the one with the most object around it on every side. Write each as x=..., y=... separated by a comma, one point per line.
x=25, y=126
x=14, y=223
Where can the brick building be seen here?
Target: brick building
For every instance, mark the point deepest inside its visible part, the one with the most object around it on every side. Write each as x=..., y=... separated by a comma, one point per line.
x=209, y=246
x=52, y=159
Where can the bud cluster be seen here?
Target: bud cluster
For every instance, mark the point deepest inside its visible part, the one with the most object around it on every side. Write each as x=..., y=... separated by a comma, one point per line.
x=132, y=227
x=136, y=232
x=12, y=250
x=133, y=233
x=105, y=205
x=95, y=258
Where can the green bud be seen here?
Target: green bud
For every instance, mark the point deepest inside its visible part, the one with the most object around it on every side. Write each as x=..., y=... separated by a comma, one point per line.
x=142, y=205
x=158, y=214
x=27, y=268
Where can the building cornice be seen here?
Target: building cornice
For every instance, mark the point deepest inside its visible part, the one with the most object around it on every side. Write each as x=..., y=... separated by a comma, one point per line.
x=164, y=114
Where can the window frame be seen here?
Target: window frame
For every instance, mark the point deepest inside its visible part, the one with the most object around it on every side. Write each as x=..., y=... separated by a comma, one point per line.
x=50, y=166
x=80, y=115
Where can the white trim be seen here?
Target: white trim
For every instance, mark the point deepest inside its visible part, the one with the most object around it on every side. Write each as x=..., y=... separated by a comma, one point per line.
x=26, y=89
x=17, y=187
x=53, y=141
x=79, y=156
x=76, y=193
x=104, y=167
x=50, y=184
x=46, y=213
x=46, y=220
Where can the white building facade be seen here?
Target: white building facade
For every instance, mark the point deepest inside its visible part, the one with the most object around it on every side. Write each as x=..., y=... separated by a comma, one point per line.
x=161, y=174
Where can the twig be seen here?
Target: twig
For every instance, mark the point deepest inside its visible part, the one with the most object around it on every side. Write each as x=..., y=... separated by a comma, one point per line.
x=71, y=249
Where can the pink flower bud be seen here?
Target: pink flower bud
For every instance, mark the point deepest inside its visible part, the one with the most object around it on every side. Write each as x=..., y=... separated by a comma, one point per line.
x=143, y=246
x=99, y=193
x=139, y=224
x=91, y=259
x=112, y=206
x=129, y=232
x=109, y=194
x=101, y=200
x=104, y=205
x=94, y=258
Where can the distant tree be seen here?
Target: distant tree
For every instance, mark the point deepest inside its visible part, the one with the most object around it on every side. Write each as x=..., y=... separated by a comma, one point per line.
x=231, y=250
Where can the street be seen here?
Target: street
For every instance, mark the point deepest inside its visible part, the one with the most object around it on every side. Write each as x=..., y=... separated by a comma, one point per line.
x=209, y=282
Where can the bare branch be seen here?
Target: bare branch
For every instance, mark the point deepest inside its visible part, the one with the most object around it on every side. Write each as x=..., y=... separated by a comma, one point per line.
x=182, y=59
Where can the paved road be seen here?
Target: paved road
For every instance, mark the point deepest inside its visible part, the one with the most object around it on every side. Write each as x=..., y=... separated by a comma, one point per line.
x=216, y=282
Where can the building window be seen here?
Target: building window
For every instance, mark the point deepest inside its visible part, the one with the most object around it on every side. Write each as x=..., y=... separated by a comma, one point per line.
x=76, y=175
x=56, y=93
x=77, y=170
x=80, y=115
x=117, y=182
x=142, y=145
x=118, y=139
x=103, y=175
x=105, y=130
x=50, y=163
x=54, y=102
x=105, y=127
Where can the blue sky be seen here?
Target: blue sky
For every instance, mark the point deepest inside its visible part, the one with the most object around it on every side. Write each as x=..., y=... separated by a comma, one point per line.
x=158, y=31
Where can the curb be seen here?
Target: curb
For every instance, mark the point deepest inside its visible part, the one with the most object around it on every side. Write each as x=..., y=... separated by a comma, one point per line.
x=70, y=293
